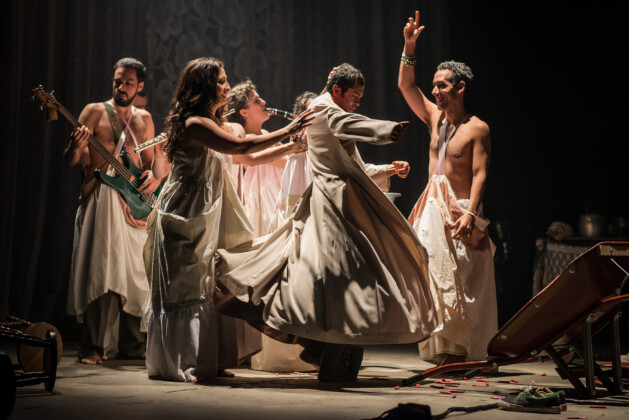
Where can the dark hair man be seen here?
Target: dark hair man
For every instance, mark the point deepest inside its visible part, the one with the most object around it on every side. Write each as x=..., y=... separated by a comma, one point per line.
x=107, y=276
x=461, y=263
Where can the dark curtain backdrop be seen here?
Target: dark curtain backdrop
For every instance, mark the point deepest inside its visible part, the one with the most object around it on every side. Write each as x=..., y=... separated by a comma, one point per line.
x=548, y=82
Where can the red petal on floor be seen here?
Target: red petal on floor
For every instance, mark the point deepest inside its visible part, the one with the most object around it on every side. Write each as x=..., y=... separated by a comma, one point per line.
x=495, y=398
x=515, y=381
x=397, y=387
x=445, y=392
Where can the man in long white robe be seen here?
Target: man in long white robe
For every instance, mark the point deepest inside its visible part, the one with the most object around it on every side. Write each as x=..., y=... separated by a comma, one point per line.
x=108, y=284
x=346, y=267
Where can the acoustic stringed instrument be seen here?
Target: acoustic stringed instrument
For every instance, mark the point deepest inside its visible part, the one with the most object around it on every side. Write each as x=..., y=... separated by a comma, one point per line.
x=127, y=181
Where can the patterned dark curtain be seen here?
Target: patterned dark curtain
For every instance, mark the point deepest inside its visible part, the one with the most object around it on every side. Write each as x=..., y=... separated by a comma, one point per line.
x=284, y=46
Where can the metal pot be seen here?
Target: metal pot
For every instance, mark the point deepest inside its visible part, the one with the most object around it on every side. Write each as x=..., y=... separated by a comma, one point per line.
x=620, y=227
x=593, y=225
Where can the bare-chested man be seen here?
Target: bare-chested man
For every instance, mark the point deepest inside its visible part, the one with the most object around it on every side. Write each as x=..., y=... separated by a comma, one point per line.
x=107, y=276
x=447, y=217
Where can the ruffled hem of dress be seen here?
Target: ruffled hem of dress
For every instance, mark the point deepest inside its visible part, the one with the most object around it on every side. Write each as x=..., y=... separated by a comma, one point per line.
x=182, y=341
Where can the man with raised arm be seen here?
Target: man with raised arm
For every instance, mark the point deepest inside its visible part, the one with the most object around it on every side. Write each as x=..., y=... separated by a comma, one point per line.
x=447, y=216
x=107, y=276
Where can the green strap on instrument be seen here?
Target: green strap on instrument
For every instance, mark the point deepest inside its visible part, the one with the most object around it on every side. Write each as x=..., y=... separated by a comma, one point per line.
x=113, y=119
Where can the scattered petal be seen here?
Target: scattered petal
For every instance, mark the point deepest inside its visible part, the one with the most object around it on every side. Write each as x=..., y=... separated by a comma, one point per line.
x=515, y=381
x=493, y=397
x=397, y=387
x=453, y=395
x=445, y=392
x=417, y=385
x=543, y=374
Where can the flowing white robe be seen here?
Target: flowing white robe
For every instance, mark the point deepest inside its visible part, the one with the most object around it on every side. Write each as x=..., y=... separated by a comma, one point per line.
x=346, y=267
x=107, y=255
x=461, y=276
x=264, y=186
x=198, y=211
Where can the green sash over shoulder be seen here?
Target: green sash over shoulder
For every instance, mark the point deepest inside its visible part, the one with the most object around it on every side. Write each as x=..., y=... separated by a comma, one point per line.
x=128, y=178
x=113, y=119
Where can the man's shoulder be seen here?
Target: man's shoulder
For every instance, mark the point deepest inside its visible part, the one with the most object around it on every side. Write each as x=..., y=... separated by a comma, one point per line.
x=478, y=126
x=324, y=100
x=143, y=114
x=94, y=107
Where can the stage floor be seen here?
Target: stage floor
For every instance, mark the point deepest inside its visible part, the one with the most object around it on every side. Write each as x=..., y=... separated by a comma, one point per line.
x=122, y=388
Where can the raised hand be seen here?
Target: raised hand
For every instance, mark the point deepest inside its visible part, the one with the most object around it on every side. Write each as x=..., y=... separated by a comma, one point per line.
x=325, y=89
x=398, y=130
x=412, y=29
x=301, y=122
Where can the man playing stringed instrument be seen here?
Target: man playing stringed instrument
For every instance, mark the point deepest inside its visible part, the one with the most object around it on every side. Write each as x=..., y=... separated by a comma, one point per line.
x=107, y=277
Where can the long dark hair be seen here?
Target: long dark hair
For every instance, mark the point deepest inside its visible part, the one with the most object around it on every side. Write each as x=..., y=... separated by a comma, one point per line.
x=195, y=96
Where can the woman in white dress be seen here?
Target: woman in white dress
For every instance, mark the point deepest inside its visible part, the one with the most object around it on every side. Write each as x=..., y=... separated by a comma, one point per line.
x=197, y=212
x=261, y=186
x=263, y=170
x=297, y=175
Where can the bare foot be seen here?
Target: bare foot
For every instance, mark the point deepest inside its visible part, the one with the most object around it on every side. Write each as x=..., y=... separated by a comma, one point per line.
x=224, y=373
x=92, y=360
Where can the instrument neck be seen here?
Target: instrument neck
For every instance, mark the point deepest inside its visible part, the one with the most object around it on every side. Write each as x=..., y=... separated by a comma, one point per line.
x=99, y=147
